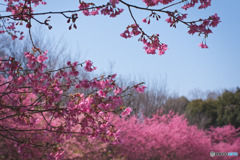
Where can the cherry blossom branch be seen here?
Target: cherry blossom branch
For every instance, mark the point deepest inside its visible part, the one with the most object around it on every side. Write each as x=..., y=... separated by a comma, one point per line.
x=136, y=22
x=54, y=12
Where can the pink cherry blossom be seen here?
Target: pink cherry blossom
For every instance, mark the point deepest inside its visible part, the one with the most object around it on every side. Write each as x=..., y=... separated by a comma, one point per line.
x=140, y=89
x=101, y=93
x=126, y=112
x=42, y=58
x=126, y=34
x=88, y=66
x=117, y=91
x=215, y=20
x=203, y=45
x=114, y=2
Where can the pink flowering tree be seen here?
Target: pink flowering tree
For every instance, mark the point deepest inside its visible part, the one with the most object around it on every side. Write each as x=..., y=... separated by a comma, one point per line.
x=37, y=114
x=37, y=111
x=162, y=137
x=169, y=136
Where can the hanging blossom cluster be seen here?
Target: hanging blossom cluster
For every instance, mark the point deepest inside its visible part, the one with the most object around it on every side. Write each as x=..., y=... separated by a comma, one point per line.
x=200, y=27
x=212, y=21
x=134, y=31
x=38, y=114
x=154, y=45
x=151, y=44
x=203, y=28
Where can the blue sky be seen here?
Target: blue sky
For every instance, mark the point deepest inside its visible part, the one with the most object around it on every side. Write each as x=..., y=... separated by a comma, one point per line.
x=185, y=66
